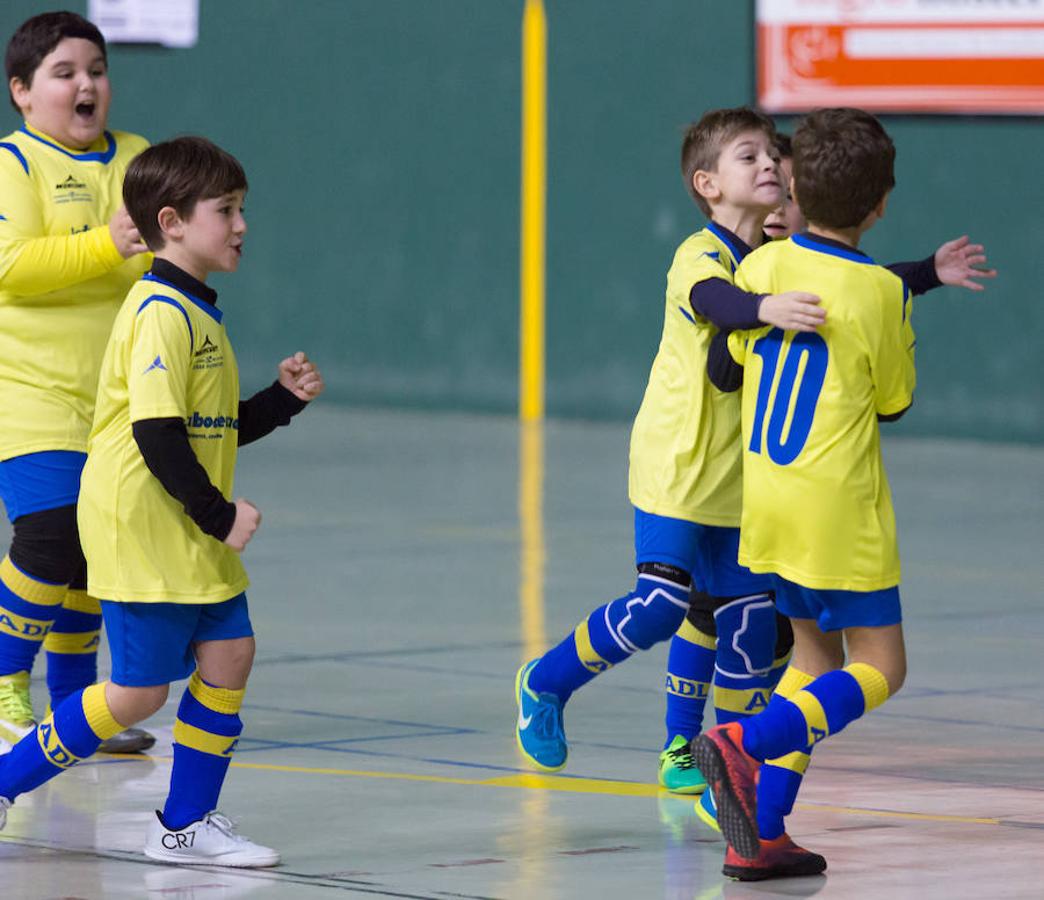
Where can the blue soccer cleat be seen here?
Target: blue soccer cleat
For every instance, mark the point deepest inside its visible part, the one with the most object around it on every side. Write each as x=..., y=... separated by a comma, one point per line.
x=539, y=728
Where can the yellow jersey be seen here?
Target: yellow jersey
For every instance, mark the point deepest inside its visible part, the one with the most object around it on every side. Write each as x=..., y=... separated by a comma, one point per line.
x=61, y=283
x=685, y=457
x=168, y=357
x=817, y=509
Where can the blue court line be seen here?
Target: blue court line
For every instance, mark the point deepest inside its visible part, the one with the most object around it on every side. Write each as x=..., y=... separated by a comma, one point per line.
x=368, y=654
x=358, y=740
x=349, y=718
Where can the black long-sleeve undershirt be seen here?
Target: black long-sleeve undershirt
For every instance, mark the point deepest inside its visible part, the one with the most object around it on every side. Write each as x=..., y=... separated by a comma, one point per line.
x=165, y=446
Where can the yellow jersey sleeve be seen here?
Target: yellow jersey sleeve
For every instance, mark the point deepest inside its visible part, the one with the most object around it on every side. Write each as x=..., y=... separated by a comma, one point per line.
x=893, y=369
x=33, y=262
x=160, y=359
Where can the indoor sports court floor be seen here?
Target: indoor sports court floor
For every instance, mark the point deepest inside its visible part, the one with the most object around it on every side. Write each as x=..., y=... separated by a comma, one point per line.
x=406, y=564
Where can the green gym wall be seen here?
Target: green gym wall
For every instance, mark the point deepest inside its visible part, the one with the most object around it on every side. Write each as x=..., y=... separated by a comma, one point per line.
x=381, y=139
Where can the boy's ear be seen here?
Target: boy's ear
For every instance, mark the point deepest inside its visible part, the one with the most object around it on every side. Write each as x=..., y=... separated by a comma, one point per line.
x=19, y=93
x=706, y=184
x=170, y=222
x=882, y=205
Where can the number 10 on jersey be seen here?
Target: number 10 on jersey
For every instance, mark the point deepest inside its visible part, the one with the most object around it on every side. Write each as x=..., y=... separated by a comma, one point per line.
x=801, y=380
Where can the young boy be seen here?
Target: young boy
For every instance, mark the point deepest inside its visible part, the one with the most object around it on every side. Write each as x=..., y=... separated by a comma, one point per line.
x=685, y=461
x=68, y=254
x=817, y=515
x=160, y=534
x=954, y=263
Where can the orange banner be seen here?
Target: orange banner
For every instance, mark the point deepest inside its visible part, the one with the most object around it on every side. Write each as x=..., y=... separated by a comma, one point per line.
x=810, y=55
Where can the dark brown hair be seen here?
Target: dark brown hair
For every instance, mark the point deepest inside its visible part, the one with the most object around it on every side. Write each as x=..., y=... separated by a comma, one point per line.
x=38, y=36
x=177, y=173
x=784, y=145
x=704, y=140
x=844, y=163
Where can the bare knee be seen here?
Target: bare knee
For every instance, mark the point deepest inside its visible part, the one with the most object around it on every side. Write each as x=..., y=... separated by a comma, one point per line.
x=226, y=663
x=130, y=705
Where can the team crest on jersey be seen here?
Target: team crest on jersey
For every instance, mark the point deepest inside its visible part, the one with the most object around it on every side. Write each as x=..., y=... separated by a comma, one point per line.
x=72, y=190
x=208, y=355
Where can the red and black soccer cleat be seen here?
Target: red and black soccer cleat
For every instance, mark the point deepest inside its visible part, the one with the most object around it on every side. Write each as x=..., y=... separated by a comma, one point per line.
x=731, y=773
x=778, y=858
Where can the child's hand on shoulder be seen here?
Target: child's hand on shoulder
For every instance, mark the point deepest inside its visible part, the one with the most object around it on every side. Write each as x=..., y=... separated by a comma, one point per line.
x=248, y=518
x=300, y=377
x=125, y=234
x=957, y=262
x=792, y=311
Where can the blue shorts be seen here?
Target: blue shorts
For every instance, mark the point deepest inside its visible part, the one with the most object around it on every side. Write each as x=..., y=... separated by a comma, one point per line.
x=153, y=643
x=39, y=481
x=834, y=610
x=707, y=552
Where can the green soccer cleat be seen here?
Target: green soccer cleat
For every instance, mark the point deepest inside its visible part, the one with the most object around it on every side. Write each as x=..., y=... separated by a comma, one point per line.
x=16, y=707
x=539, y=731
x=678, y=772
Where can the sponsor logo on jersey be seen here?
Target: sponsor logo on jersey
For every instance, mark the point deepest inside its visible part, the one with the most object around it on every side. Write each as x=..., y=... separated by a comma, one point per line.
x=198, y=420
x=208, y=356
x=208, y=346
x=157, y=363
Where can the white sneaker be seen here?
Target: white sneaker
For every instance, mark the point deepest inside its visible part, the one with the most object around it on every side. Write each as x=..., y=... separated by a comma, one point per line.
x=5, y=805
x=212, y=841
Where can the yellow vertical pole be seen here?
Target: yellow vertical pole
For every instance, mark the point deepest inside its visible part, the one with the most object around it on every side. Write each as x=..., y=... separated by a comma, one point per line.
x=533, y=211
x=531, y=329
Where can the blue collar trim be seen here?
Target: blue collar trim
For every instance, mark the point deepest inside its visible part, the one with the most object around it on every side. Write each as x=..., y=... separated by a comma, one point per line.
x=737, y=248
x=208, y=308
x=102, y=156
x=831, y=248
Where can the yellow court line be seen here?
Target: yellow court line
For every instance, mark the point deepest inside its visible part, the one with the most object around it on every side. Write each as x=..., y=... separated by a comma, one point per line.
x=533, y=781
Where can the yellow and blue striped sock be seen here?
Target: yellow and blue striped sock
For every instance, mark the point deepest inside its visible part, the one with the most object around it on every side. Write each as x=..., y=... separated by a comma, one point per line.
x=28, y=608
x=651, y=613
x=690, y=668
x=72, y=646
x=817, y=711
x=206, y=732
x=68, y=735
x=780, y=779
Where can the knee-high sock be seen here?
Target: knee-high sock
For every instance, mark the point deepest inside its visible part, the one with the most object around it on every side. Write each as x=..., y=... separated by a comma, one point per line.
x=779, y=779
x=819, y=710
x=206, y=732
x=28, y=608
x=690, y=668
x=649, y=614
x=68, y=735
x=72, y=646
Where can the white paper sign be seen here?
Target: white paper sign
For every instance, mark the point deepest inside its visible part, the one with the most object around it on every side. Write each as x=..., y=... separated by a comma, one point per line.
x=172, y=23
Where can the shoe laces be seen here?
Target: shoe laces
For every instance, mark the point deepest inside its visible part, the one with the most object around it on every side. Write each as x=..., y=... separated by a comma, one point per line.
x=15, y=703
x=547, y=718
x=226, y=826
x=681, y=757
